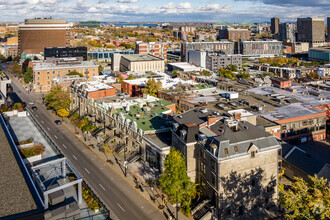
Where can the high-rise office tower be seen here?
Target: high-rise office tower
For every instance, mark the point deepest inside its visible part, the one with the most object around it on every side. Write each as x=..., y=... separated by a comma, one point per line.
x=311, y=30
x=36, y=34
x=288, y=32
x=275, y=25
x=328, y=25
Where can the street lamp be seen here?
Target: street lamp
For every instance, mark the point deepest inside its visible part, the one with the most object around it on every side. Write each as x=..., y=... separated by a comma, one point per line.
x=125, y=162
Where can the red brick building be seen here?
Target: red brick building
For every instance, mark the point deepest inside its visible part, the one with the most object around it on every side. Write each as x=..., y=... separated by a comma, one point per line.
x=133, y=87
x=153, y=48
x=299, y=123
x=36, y=34
x=235, y=34
x=281, y=83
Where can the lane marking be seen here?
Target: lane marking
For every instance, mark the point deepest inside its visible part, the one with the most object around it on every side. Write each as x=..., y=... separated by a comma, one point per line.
x=55, y=136
x=74, y=157
x=48, y=129
x=121, y=207
x=37, y=116
x=64, y=146
x=86, y=170
x=42, y=122
x=103, y=188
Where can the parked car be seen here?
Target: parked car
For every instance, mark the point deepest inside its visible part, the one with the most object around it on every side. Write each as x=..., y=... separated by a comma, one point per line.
x=31, y=103
x=58, y=122
x=34, y=108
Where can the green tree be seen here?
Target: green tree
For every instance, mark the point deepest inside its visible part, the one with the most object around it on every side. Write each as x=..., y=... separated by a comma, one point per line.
x=130, y=77
x=63, y=112
x=243, y=75
x=226, y=73
x=175, y=182
x=74, y=73
x=314, y=75
x=205, y=73
x=25, y=65
x=28, y=75
x=15, y=69
x=57, y=98
x=306, y=199
x=152, y=87
x=100, y=68
x=16, y=59
x=175, y=73
x=232, y=67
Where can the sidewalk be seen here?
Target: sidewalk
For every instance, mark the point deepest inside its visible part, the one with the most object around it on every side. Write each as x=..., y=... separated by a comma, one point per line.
x=150, y=192
x=116, y=162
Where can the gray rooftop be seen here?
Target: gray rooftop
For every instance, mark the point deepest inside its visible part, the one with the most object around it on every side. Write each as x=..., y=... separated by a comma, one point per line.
x=290, y=111
x=141, y=58
x=15, y=194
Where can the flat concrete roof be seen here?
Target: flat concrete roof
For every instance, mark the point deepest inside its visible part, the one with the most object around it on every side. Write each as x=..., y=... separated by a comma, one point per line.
x=141, y=58
x=290, y=111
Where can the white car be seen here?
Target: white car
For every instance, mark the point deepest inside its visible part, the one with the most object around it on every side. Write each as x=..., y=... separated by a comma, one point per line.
x=31, y=103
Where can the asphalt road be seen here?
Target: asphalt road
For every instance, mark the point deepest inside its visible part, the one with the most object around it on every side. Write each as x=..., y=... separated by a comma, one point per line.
x=123, y=201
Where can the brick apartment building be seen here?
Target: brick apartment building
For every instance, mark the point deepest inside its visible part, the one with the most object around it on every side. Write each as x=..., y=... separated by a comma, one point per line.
x=281, y=83
x=95, y=89
x=36, y=34
x=234, y=34
x=299, y=123
x=134, y=87
x=153, y=48
x=235, y=163
x=45, y=72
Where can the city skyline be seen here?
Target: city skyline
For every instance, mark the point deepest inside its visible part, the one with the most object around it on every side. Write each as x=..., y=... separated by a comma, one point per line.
x=163, y=11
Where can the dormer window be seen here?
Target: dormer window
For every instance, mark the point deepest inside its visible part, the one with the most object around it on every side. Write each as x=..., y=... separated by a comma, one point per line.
x=236, y=149
x=226, y=151
x=253, y=154
x=183, y=133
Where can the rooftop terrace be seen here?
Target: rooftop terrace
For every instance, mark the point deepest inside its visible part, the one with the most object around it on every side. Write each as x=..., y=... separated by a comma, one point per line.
x=148, y=119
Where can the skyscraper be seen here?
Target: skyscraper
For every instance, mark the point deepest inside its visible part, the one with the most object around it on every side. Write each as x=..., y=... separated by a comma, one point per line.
x=275, y=25
x=36, y=34
x=311, y=30
x=287, y=32
x=328, y=25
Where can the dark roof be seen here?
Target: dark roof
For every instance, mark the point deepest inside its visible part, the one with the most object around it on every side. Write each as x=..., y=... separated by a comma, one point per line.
x=245, y=132
x=16, y=197
x=305, y=161
x=163, y=139
x=194, y=116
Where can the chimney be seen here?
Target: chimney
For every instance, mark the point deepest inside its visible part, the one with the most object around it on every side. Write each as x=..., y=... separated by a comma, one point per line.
x=237, y=115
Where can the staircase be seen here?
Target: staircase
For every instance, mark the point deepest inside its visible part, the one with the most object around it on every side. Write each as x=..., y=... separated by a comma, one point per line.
x=119, y=148
x=133, y=157
x=98, y=130
x=201, y=209
x=73, y=112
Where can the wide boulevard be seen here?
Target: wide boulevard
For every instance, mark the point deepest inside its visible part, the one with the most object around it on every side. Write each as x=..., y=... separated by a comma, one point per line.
x=123, y=201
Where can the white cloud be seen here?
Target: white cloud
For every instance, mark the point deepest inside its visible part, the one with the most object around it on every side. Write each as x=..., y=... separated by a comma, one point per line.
x=184, y=5
x=127, y=1
x=214, y=8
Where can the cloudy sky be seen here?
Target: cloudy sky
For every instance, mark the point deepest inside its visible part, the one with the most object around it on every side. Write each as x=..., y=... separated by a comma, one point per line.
x=164, y=10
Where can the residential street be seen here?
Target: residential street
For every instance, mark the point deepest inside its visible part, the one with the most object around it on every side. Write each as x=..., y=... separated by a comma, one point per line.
x=123, y=201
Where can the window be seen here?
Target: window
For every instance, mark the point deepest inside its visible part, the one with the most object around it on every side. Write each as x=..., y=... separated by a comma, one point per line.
x=213, y=165
x=202, y=153
x=213, y=180
x=202, y=167
x=253, y=154
x=236, y=149
x=226, y=151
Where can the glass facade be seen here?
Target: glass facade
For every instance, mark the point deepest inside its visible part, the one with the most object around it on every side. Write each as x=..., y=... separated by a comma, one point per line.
x=153, y=158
